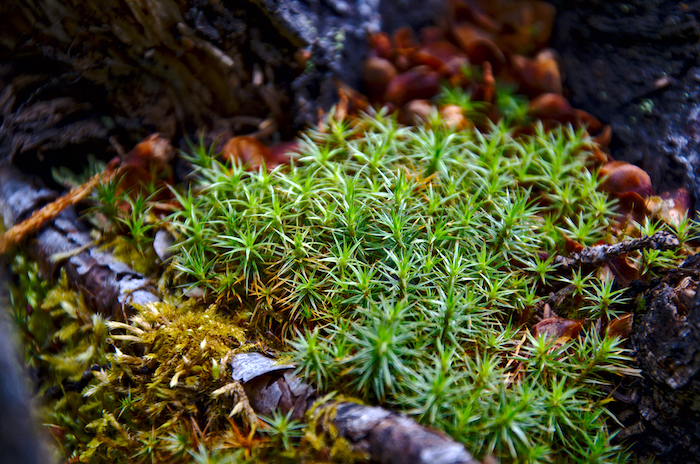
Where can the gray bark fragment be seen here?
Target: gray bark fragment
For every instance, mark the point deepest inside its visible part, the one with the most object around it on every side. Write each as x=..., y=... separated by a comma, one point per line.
x=384, y=436
x=111, y=287
x=247, y=366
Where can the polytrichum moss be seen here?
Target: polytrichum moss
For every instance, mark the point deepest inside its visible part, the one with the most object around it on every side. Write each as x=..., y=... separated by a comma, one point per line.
x=400, y=263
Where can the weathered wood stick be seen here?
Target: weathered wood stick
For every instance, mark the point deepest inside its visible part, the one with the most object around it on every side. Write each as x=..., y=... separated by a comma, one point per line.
x=379, y=434
x=111, y=287
x=598, y=254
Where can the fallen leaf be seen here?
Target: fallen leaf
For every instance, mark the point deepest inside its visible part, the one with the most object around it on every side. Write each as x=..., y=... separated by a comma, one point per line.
x=248, y=151
x=558, y=328
x=539, y=75
x=420, y=82
x=620, y=327
x=622, y=177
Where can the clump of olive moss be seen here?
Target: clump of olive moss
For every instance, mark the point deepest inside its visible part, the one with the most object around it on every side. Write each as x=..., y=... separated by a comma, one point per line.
x=161, y=390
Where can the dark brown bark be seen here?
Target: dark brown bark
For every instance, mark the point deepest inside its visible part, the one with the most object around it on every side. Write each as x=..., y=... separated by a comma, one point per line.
x=635, y=65
x=667, y=341
x=75, y=73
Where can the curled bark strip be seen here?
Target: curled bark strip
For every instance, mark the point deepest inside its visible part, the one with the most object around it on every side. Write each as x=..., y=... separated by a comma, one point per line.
x=598, y=254
x=382, y=435
x=111, y=287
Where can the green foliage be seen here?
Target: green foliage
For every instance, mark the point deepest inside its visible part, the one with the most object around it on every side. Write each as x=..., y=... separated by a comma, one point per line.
x=398, y=264
x=154, y=394
x=397, y=261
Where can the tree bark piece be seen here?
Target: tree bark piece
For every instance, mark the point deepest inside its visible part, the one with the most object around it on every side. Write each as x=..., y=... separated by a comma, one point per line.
x=381, y=435
x=75, y=73
x=634, y=65
x=667, y=341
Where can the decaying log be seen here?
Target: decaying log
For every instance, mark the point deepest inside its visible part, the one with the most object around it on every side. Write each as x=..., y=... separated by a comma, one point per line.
x=110, y=286
x=75, y=73
x=381, y=435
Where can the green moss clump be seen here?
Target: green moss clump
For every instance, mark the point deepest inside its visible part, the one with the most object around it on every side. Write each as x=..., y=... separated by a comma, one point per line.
x=397, y=265
x=399, y=262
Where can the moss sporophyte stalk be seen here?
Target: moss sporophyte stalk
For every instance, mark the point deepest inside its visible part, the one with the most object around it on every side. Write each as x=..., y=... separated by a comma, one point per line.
x=397, y=265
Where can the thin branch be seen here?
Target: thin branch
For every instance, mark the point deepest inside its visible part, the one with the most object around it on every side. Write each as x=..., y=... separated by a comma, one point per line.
x=598, y=254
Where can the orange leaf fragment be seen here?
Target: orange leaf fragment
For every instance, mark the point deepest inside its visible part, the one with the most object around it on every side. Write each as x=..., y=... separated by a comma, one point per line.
x=558, y=328
x=247, y=150
x=620, y=327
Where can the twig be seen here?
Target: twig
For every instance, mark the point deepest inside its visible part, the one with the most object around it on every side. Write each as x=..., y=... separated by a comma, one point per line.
x=598, y=254
x=19, y=232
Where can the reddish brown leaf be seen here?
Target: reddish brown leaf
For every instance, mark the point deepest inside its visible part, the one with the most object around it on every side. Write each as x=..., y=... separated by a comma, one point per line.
x=282, y=152
x=247, y=150
x=437, y=54
x=526, y=26
x=590, y=122
x=380, y=43
x=552, y=106
x=622, y=269
x=376, y=74
x=571, y=245
x=558, y=328
x=622, y=177
x=475, y=12
x=418, y=83
x=539, y=75
x=482, y=50
x=603, y=137
x=620, y=327
x=405, y=39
